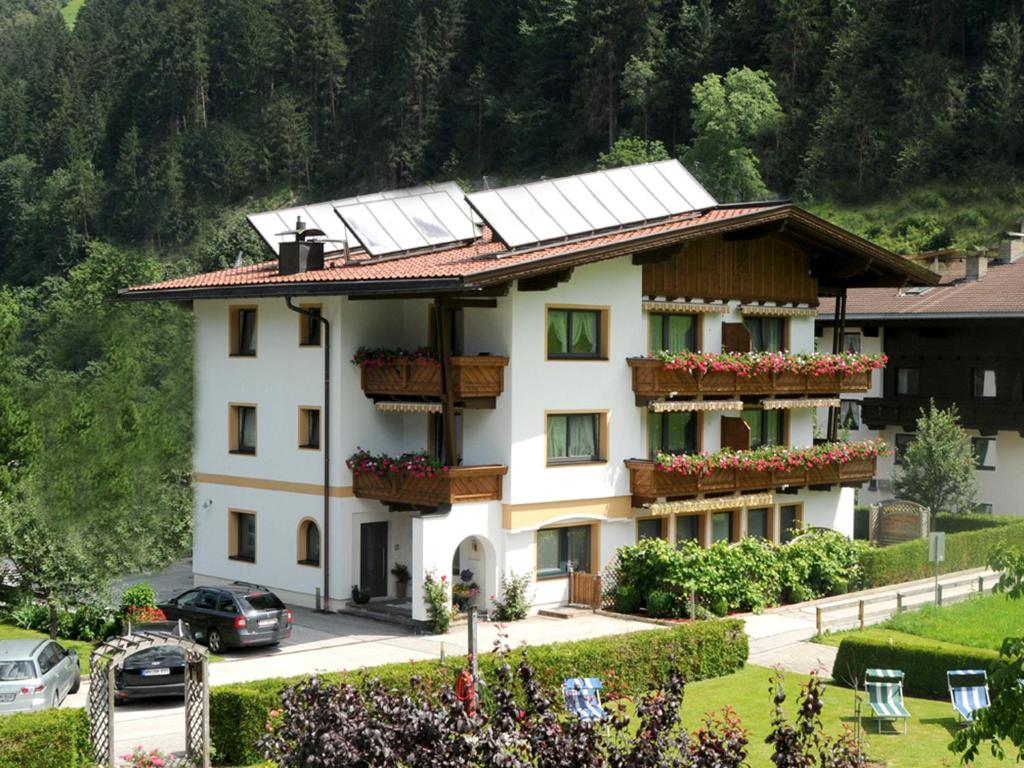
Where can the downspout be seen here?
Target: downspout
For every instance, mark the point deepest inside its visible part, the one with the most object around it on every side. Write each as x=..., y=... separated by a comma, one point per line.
x=325, y=432
x=838, y=329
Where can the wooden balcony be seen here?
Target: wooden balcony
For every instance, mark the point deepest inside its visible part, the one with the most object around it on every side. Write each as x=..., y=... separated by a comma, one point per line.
x=477, y=380
x=646, y=483
x=456, y=486
x=651, y=379
x=986, y=416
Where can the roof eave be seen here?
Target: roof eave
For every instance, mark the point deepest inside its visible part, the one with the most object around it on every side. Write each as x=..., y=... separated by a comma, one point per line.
x=411, y=287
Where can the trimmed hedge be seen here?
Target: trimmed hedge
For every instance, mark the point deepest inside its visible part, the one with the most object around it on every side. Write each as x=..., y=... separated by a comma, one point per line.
x=924, y=661
x=948, y=523
x=53, y=738
x=706, y=649
x=909, y=561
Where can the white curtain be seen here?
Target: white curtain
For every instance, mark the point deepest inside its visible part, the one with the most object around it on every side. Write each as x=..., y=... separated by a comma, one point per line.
x=557, y=437
x=582, y=442
x=584, y=332
x=558, y=320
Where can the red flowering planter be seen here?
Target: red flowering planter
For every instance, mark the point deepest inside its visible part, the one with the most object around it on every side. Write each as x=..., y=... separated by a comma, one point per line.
x=858, y=470
x=753, y=385
x=824, y=475
x=645, y=481
x=456, y=485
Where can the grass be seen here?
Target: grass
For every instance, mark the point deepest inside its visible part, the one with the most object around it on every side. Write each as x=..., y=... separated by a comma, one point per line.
x=70, y=12
x=83, y=648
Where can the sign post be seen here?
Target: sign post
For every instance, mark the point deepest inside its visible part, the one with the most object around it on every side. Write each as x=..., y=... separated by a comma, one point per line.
x=936, y=554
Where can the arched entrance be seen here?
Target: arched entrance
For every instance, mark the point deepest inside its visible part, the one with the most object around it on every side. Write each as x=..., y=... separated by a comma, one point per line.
x=110, y=656
x=473, y=573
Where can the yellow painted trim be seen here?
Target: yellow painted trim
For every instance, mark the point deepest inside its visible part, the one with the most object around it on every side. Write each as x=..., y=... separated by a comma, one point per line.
x=263, y=484
x=539, y=515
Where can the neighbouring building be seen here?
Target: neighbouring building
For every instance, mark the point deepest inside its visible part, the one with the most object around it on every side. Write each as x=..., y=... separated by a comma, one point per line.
x=504, y=339
x=959, y=342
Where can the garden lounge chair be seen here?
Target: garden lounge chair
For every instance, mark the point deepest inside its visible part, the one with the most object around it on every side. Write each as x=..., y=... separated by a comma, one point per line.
x=884, y=688
x=583, y=698
x=967, y=699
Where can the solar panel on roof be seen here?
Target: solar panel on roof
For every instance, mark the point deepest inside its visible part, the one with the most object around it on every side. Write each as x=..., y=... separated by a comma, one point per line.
x=276, y=226
x=557, y=209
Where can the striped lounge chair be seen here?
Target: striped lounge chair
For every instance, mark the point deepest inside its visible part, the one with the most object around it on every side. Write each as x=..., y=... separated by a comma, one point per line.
x=965, y=693
x=884, y=689
x=583, y=698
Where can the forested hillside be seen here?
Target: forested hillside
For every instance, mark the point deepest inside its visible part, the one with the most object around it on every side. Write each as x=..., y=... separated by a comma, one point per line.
x=131, y=143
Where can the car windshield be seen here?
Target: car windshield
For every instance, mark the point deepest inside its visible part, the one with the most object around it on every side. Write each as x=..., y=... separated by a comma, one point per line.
x=264, y=601
x=16, y=670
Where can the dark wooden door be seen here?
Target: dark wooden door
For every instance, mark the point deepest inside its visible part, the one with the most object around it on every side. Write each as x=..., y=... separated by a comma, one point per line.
x=373, y=558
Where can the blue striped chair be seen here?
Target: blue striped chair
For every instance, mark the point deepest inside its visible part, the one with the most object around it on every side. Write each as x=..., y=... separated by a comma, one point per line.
x=583, y=698
x=967, y=699
x=884, y=689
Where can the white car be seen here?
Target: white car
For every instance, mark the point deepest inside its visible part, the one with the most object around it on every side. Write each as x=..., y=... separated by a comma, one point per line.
x=36, y=674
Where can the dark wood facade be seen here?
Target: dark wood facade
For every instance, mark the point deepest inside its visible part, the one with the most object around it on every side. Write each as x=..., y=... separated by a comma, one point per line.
x=476, y=380
x=457, y=485
x=947, y=357
x=762, y=269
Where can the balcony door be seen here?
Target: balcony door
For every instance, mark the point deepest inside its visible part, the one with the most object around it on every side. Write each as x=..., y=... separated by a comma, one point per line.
x=373, y=558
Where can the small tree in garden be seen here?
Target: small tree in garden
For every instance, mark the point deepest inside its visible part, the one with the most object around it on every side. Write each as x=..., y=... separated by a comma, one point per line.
x=937, y=469
x=514, y=603
x=439, y=607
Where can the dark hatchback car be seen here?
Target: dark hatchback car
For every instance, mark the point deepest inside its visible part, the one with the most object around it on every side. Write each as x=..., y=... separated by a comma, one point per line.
x=236, y=615
x=153, y=672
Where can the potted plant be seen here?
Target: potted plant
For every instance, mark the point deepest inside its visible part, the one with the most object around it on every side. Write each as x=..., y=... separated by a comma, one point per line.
x=464, y=590
x=402, y=576
x=360, y=597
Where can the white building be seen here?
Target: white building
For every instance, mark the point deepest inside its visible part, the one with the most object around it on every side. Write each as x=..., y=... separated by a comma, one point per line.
x=539, y=480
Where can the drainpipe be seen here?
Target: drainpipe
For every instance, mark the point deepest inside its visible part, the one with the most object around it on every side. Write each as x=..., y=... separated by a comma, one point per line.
x=838, y=329
x=325, y=432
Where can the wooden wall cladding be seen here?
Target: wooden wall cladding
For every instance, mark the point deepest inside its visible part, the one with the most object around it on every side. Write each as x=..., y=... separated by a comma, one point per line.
x=764, y=269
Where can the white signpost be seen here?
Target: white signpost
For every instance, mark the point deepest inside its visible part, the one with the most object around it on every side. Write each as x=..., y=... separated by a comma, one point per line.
x=937, y=554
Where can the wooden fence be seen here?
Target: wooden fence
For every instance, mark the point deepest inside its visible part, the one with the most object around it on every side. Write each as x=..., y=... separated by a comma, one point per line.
x=585, y=589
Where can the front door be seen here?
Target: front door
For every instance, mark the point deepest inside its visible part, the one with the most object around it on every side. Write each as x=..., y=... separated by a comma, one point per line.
x=373, y=558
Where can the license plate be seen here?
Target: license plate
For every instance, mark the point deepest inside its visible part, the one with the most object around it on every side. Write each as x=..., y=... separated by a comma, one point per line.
x=6, y=697
x=266, y=623
x=157, y=672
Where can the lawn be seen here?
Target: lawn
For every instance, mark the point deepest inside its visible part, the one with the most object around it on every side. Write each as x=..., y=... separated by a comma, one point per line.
x=83, y=648
x=981, y=622
x=70, y=12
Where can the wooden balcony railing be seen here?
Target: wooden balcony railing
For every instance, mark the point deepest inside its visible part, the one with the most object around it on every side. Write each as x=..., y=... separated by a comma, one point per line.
x=647, y=483
x=457, y=485
x=476, y=380
x=986, y=416
x=651, y=379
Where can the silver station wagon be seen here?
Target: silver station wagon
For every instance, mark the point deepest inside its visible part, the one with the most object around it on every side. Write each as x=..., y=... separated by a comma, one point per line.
x=36, y=674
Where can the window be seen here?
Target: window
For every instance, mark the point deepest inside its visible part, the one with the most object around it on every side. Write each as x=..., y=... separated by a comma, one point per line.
x=576, y=333
x=309, y=427
x=309, y=543
x=649, y=529
x=983, y=382
x=766, y=427
x=242, y=427
x=558, y=548
x=900, y=445
x=688, y=528
x=791, y=518
x=907, y=381
x=849, y=414
x=309, y=326
x=767, y=334
x=851, y=342
x=984, y=452
x=226, y=603
x=672, y=333
x=242, y=538
x=243, y=331
x=574, y=438
x=723, y=526
x=672, y=432
x=759, y=523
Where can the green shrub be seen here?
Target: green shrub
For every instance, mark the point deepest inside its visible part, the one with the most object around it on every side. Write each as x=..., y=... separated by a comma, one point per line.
x=627, y=599
x=948, y=523
x=703, y=650
x=140, y=595
x=54, y=738
x=861, y=522
x=923, y=661
x=909, y=561
x=514, y=603
x=820, y=564
x=663, y=605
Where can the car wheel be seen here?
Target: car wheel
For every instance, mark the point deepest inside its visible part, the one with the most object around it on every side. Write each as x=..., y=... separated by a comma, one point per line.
x=214, y=641
x=77, y=684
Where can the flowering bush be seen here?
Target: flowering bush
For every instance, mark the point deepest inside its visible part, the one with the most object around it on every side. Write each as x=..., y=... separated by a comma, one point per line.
x=141, y=614
x=757, y=363
x=439, y=609
x=773, y=457
x=378, y=357
x=420, y=464
x=514, y=603
x=140, y=758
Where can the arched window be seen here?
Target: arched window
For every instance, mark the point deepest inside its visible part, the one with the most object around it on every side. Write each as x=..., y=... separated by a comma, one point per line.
x=309, y=543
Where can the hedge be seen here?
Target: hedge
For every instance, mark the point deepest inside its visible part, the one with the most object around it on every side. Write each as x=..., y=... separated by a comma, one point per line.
x=909, y=561
x=924, y=661
x=706, y=649
x=53, y=738
x=948, y=523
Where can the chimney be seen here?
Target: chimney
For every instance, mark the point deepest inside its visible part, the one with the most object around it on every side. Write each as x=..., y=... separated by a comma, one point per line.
x=1012, y=248
x=301, y=255
x=976, y=266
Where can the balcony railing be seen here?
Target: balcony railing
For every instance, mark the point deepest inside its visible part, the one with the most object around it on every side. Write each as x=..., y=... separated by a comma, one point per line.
x=651, y=379
x=647, y=483
x=983, y=415
x=476, y=380
x=456, y=486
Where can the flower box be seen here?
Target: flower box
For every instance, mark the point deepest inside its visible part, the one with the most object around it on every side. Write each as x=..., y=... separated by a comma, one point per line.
x=456, y=485
x=473, y=377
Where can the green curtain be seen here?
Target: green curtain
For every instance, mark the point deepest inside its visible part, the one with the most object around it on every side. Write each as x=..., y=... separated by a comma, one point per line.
x=721, y=526
x=582, y=437
x=753, y=419
x=656, y=333
x=548, y=561
x=654, y=432
x=579, y=547
x=556, y=437
x=680, y=432
x=558, y=334
x=680, y=333
x=772, y=421
x=584, y=332
x=772, y=332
